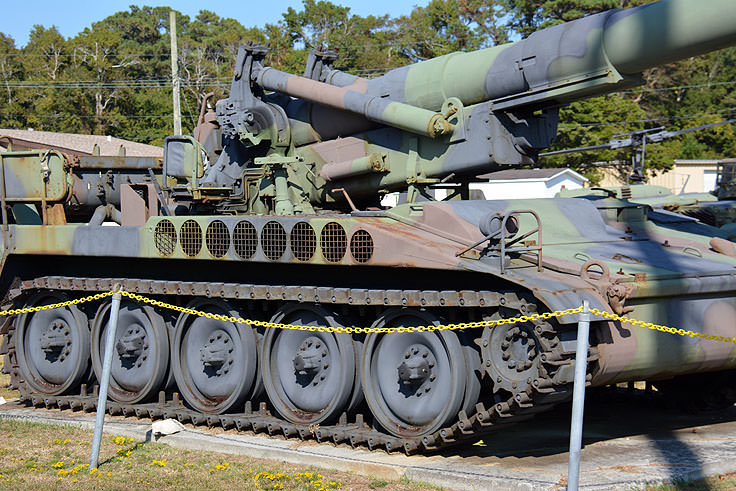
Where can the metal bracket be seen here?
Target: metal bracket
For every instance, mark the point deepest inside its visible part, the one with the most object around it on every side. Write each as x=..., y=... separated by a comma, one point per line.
x=453, y=111
x=159, y=193
x=277, y=160
x=279, y=174
x=504, y=247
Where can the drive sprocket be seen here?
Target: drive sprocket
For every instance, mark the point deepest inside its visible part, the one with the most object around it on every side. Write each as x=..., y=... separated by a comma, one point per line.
x=515, y=355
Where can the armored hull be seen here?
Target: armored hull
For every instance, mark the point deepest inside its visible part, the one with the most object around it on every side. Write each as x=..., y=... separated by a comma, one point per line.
x=395, y=268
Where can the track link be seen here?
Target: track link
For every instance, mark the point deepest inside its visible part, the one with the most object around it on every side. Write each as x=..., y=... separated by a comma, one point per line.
x=356, y=430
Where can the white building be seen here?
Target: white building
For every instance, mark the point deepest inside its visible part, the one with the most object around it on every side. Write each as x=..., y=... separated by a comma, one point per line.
x=513, y=183
x=685, y=176
x=528, y=183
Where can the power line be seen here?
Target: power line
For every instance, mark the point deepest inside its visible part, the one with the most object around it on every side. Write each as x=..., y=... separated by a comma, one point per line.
x=570, y=126
x=141, y=82
x=226, y=81
x=208, y=51
x=676, y=87
x=221, y=85
x=728, y=111
x=84, y=116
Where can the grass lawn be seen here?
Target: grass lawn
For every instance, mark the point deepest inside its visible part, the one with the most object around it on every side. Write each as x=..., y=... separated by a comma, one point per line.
x=44, y=456
x=721, y=482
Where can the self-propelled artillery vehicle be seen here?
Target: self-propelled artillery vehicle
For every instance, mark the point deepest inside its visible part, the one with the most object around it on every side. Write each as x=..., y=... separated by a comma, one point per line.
x=271, y=212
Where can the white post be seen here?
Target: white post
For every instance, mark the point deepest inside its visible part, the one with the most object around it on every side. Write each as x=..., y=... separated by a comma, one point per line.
x=175, y=73
x=578, y=399
x=105, y=382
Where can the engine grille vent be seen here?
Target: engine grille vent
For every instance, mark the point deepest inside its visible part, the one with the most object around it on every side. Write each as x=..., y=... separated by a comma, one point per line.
x=333, y=242
x=191, y=238
x=273, y=240
x=217, y=238
x=303, y=241
x=245, y=240
x=164, y=237
x=361, y=246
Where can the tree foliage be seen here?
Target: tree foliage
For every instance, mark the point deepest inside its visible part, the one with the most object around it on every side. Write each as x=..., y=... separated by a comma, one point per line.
x=114, y=77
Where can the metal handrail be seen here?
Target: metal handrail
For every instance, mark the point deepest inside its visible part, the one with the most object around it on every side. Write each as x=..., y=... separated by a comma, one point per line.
x=504, y=247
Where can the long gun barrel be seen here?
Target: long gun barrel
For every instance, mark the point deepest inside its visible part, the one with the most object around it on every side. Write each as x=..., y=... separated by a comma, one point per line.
x=589, y=56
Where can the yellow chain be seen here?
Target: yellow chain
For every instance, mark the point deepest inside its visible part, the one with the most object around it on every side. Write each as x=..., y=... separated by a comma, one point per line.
x=657, y=327
x=349, y=330
x=38, y=308
x=366, y=330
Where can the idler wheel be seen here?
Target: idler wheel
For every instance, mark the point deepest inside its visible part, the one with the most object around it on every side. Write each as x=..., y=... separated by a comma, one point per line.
x=140, y=361
x=215, y=362
x=414, y=383
x=512, y=353
x=53, y=345
x=310, y=377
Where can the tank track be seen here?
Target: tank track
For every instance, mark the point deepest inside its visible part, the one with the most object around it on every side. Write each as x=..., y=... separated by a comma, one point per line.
x=544, y=392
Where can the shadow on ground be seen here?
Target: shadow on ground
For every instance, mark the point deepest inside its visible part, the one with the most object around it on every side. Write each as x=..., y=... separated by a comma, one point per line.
x=609, y=414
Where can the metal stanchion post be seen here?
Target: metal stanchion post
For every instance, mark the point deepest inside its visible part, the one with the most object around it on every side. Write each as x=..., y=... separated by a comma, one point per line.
x=105, y=382
x=578, y=399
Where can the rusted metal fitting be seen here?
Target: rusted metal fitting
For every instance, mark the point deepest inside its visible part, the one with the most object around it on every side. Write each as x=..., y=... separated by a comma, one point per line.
x=439, y=126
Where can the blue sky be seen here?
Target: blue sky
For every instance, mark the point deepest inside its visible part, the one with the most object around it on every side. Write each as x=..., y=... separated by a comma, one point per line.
x=71, y=16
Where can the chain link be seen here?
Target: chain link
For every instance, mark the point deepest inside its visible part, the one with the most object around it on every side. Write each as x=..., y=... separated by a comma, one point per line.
x=658, y=327
x=366, y=330
x=39, y=308
x=351, y=330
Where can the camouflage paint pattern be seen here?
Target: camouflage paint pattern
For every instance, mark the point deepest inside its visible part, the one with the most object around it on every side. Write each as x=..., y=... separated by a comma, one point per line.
x=271, y=202
x=682, y=284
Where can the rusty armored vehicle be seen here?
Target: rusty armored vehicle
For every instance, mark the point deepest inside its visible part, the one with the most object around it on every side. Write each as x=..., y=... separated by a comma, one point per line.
x=271, y=212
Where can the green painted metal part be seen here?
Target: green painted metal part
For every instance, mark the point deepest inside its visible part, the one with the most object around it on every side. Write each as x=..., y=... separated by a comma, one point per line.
x=34, y=176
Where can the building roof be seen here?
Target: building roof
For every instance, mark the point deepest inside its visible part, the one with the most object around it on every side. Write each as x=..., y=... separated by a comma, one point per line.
x=531, y=175
x=696, y=162
x=76, y=144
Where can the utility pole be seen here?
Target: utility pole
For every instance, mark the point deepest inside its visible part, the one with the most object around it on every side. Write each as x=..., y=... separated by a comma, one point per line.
x=175, y=73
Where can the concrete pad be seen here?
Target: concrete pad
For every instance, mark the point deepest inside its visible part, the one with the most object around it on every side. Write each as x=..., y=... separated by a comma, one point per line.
x=629, y=441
